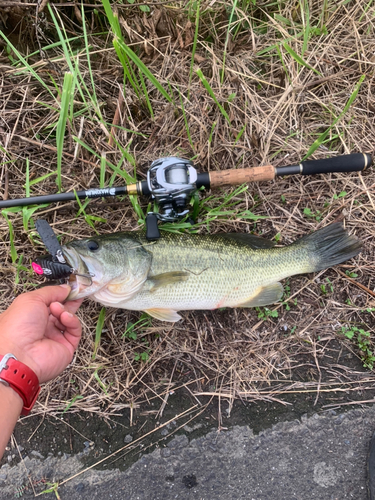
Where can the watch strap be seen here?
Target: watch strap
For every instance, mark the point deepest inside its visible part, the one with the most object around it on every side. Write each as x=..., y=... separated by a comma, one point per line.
x=21, y=379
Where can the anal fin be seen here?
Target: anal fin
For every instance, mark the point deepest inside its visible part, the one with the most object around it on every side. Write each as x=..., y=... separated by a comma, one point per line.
x=164, y=314
x=264, y=296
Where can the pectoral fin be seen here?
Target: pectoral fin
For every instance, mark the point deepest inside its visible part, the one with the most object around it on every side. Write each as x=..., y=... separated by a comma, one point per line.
x=264, y=296
x=166, y=279
x=164, y=314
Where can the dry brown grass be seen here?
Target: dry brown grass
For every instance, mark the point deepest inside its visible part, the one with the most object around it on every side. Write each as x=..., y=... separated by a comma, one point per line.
x=232, y=353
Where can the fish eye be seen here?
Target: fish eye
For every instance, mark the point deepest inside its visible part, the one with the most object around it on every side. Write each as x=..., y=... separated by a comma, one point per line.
x=92, y=245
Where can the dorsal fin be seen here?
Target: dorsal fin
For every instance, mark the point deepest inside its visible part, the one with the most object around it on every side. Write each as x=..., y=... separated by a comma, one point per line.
x=251, y=240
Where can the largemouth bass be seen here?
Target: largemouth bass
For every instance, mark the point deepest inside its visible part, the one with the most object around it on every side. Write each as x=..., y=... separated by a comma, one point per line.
x=192, y=271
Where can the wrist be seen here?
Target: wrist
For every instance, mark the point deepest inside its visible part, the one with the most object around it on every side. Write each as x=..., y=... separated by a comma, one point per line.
x=21, y=379
x=20, y=354
x=11, y=397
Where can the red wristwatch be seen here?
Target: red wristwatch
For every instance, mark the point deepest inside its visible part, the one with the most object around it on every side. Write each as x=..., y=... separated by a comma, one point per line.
x=21, y=379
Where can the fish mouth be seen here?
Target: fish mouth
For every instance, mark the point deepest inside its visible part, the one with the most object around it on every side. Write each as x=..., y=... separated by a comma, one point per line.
x=81, y=278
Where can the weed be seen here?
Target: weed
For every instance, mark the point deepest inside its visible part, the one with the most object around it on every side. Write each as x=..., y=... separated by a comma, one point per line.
x=264, y=313
x=71, y=403
x=52, y=488
x=133, y=330
x=340, y=195
x=325, y=288
x=20, y=490
x=351, y=274
x=309, y=213
x=144, y=322
x=142, y=356
x=362, y=339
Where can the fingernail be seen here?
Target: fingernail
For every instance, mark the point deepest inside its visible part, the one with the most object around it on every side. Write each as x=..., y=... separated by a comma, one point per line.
x=65, y=285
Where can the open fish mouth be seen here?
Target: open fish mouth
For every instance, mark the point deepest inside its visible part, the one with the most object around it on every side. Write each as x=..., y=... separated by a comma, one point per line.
x=81, y=277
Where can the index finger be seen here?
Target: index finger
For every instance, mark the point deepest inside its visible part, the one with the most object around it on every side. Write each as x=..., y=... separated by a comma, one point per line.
x=48, y=294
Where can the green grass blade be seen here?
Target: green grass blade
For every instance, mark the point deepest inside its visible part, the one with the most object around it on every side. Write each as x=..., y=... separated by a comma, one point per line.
x=299, y=59
x=283, y=63
x=227, y=38
x=27, y=66
x=112, y=18
x=98, y=332
x=66, y=96
x=68, y=406
x=97, y=378
x=42, y=178
x=186, y=121
x=115, y=168
x=27, y=184
x=128, y=71
x=211, y=92
x=322, y=136
x=5, y=212
x=239, y=135
x=103, y=164
x=306, y=24
x=145, y=93
x=79, y=81
x=144, y=69
x=194, y=43
x=87, y=49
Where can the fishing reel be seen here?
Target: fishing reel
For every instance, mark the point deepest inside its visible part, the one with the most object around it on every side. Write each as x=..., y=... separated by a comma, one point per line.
x=171, y=182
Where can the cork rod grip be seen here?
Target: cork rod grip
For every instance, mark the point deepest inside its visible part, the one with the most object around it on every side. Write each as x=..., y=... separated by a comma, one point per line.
x=241, y=176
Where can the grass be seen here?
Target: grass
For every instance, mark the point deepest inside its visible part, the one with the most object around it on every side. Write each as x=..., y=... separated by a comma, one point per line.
x=230, y=86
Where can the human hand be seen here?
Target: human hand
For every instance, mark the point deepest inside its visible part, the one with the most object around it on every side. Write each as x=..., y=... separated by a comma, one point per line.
x=40, y=331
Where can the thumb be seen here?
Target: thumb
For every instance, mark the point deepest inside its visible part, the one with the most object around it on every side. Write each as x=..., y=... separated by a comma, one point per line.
x=49, y=294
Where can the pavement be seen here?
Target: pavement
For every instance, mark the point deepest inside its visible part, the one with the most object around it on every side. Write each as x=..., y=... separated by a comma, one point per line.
x=319, y=457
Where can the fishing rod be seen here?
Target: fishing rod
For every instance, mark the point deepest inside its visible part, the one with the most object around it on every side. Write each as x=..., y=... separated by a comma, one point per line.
x=171, y=182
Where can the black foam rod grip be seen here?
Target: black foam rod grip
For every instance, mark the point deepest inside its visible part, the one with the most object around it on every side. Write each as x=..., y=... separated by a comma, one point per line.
x=346, y=163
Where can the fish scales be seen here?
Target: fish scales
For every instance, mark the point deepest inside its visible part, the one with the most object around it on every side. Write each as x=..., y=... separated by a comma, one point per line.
x=222, y=273
x=192, y=271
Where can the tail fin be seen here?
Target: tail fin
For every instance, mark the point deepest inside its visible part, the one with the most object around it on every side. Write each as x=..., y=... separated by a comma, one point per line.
x=330, y=246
